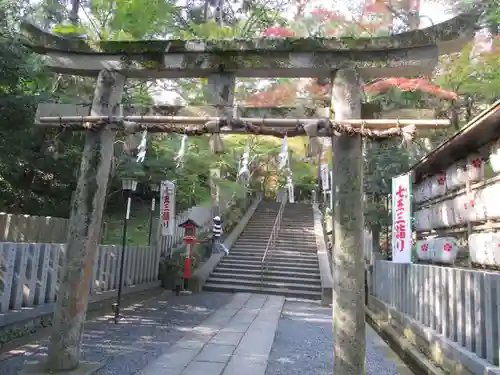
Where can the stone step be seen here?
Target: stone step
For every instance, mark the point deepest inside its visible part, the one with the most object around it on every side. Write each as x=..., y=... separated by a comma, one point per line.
x=305, y=246
x=260, y=224
x=296, y=228
x=255, y=237
x=258, y=252
x=264, y=215
x=256, y=272
x=279, y=244
x=286, y=221
x=290, y=266
x=275, y=252
x=257, y=234
x=262, y=233
x=316, y=287
x=295, y=252
x=267, y=278
x=262, y=218
x=228, y=288
x=272, y=257
x=291, y=222
x=257, y=261
x=291, y=245
x=282, y=231
x=297, y=247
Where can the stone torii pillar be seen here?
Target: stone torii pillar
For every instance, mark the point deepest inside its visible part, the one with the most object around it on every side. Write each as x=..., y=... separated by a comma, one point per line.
x=348, y=221
x=83, y=237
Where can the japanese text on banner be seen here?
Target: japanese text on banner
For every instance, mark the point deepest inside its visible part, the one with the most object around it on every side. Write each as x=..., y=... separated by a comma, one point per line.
x=167, y=208
x=401, y=219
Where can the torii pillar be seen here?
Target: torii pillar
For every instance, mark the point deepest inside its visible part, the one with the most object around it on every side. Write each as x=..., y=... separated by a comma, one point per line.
x=83, y=238
x=348, y=221
x=220, y=90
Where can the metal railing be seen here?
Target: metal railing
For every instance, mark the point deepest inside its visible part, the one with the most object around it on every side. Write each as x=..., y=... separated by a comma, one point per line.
x=271, y=243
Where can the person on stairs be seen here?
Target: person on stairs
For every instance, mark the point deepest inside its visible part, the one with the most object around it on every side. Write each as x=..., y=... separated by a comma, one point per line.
x=217, y=231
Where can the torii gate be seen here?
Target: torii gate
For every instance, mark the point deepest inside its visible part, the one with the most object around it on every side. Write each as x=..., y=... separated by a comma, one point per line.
x=345, y=61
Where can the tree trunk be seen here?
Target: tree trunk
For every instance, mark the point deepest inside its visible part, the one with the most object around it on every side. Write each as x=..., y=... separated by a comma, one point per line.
x=84, y=230
x=347, y=257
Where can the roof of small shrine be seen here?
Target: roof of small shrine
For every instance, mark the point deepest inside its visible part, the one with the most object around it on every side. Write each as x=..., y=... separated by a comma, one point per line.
x=480, y=131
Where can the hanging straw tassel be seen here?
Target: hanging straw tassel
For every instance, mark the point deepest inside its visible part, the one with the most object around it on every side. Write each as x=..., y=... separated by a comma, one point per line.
x=314, y=145
x=215, y=140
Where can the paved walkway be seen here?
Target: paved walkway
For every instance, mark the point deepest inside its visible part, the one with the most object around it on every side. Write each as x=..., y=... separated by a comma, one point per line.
x=266, y=335
x=216, y=334
x=237, y=339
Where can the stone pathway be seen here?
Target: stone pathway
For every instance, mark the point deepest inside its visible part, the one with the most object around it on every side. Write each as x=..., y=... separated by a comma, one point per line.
x=147, y=331
x=237, y=339
x=215, y=334
x=266, y=335
x=303, y=344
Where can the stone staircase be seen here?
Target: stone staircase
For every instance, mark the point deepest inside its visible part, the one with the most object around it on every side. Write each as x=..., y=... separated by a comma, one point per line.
x=292, y=268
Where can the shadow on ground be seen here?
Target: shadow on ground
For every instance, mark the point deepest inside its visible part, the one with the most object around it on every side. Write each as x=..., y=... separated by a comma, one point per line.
x=145, y=332
x=303, y=344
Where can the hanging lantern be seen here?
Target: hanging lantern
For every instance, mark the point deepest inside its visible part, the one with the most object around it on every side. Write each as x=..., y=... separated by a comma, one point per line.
x=314, y=145
x=216, y=144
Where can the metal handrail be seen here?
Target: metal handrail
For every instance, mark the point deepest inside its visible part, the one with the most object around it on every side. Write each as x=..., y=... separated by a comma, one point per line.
x=271, y=243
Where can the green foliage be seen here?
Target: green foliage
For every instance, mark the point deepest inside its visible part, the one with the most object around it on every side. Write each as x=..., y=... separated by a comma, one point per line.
x=68, y=30
x=171, y=270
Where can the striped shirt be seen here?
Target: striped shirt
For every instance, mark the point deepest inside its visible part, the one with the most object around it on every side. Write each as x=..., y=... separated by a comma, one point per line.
x=217, y=230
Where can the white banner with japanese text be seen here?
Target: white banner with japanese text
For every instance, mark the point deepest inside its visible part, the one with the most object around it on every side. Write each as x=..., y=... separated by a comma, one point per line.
x=401, y=219
x=325, y=181
x=167, y=208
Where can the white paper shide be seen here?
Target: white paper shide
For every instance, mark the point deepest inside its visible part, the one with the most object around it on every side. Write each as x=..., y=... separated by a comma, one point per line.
x=325, y=182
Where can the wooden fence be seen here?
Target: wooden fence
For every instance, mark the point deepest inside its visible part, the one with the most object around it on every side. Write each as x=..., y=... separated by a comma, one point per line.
x=29, y=271
x=27, y=228
x=460, y=304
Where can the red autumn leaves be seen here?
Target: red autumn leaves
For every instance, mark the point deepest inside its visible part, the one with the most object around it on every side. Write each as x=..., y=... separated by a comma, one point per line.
x=383, y=85
x=286, y=94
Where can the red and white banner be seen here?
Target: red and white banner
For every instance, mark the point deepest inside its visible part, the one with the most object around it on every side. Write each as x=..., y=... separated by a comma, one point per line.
x=401, y=219
x=167, y=208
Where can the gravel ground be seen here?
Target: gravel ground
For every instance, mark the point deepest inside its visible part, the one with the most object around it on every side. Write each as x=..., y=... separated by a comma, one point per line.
x=303, y=344
x=146, y=332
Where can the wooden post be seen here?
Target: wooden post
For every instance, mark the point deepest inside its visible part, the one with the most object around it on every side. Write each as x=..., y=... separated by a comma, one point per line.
x=83, y=237
x=221, y=94
x=347, y=258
